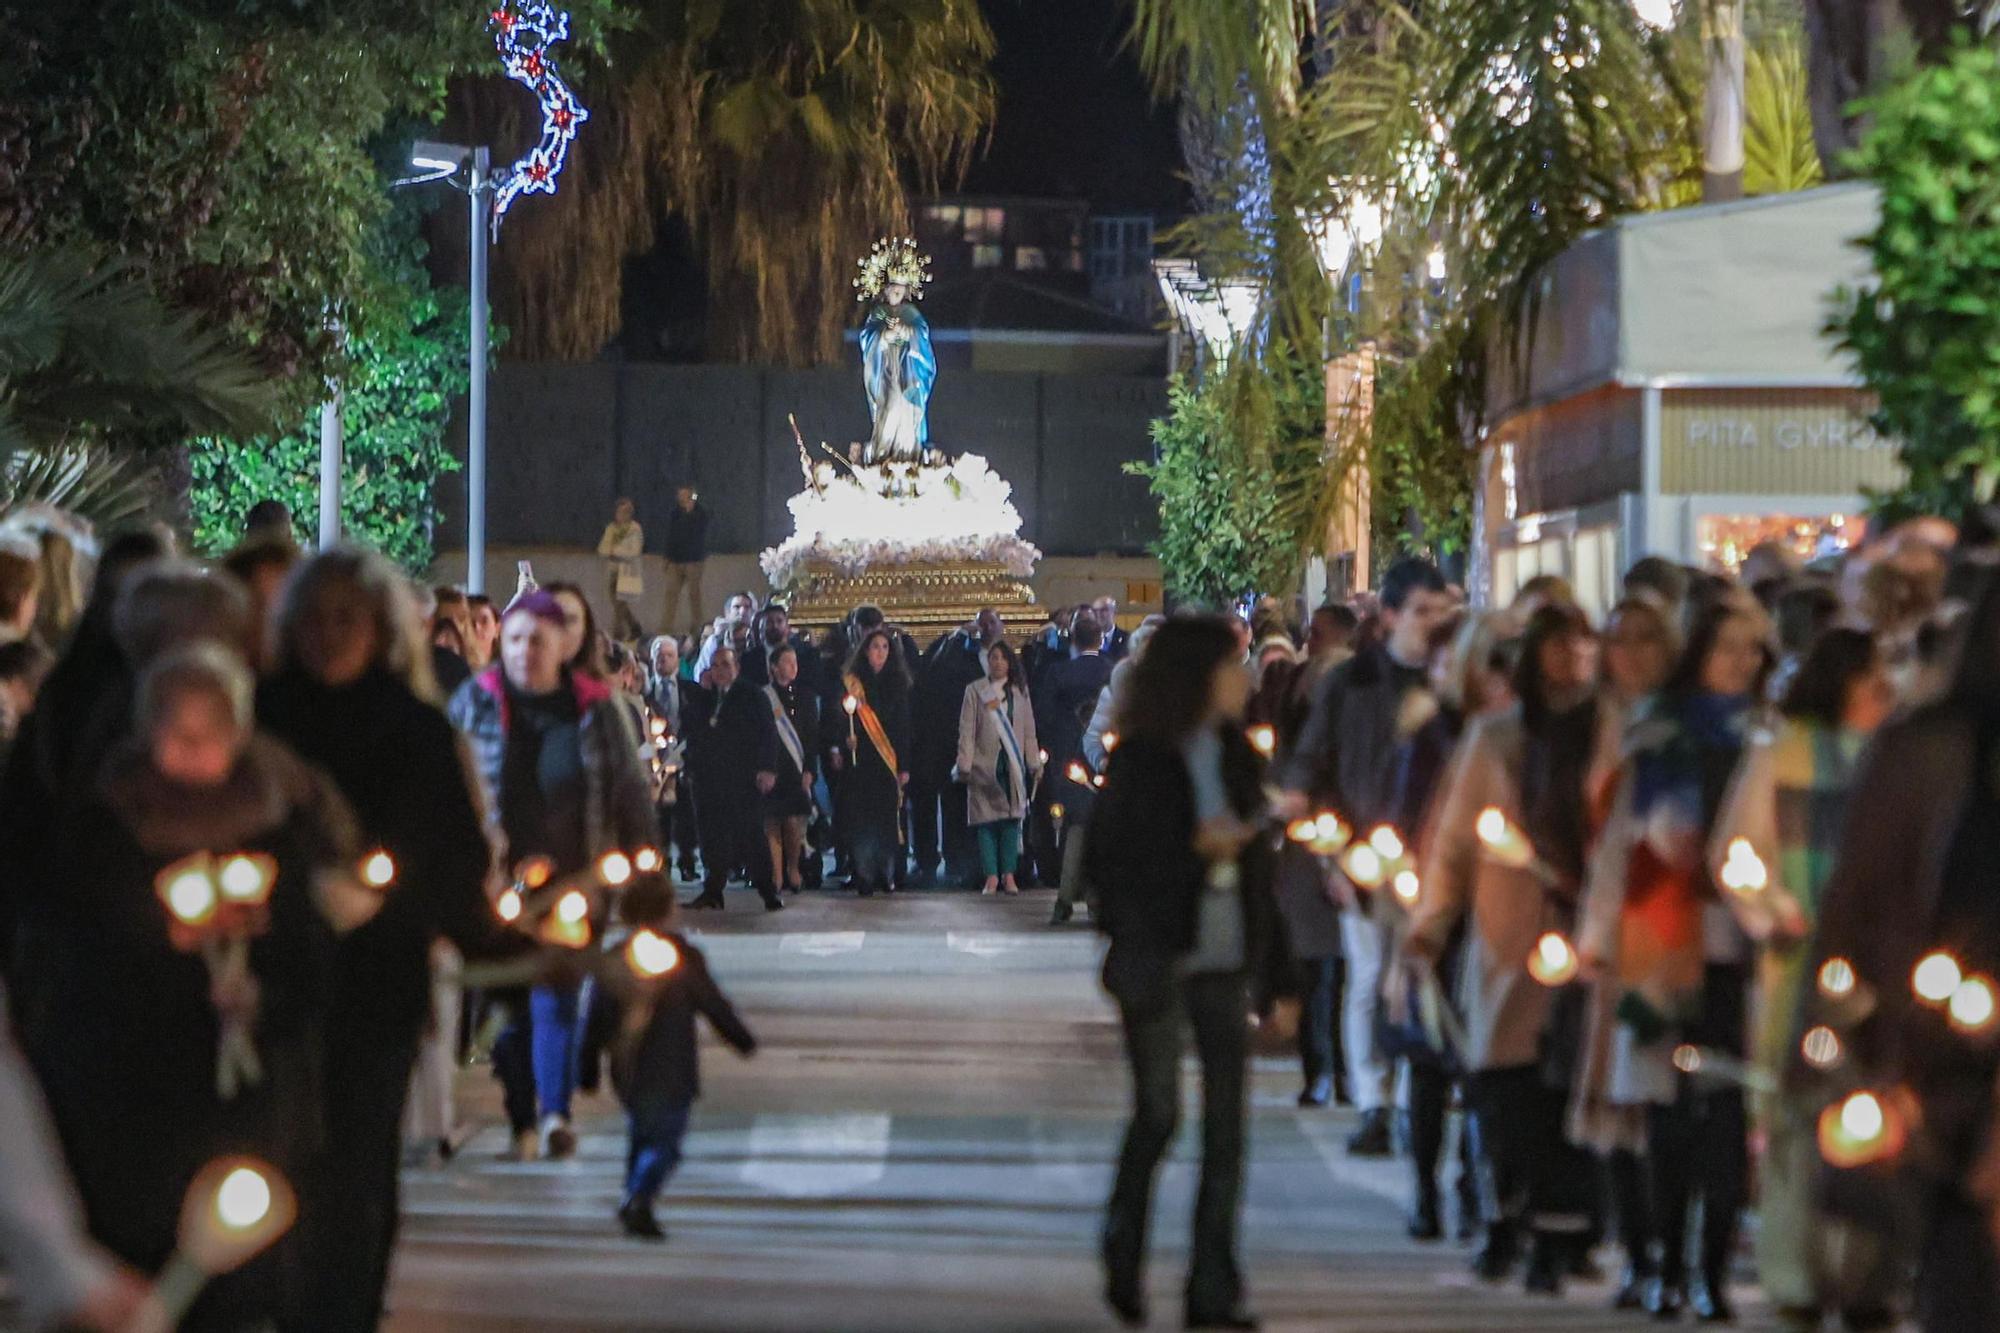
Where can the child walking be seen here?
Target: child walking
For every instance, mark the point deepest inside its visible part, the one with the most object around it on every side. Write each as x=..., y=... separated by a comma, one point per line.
x=657, y=1067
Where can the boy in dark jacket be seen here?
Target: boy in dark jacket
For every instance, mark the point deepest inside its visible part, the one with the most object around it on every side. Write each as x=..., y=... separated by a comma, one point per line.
x=657, y=1068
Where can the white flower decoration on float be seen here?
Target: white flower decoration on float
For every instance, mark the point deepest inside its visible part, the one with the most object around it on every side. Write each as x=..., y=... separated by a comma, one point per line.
x=869, y=518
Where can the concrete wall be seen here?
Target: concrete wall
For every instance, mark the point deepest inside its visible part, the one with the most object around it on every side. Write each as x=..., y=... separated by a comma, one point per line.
x=565, y=441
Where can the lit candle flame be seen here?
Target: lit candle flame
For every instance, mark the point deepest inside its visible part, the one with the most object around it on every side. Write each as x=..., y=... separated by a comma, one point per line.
x=1553, y=961
x=245, y=879
x=1491, y=825
x=652, y=955
x=1110, y=739
x=1364, y=866
x=1387, y=843
x=1936, y=976
x=1860, y=1129
x=647, y=860
x=1407, y=886
x=851, y=704
x=534, y=872
x=1821, y=1047
x=1264, y=739
x=1098, y=781
x=1076, y=773
x=614, y=868
x=189, y=893
x=1302, y=830
x=508, y=905
x=1503, y=841
x=1972, y=1005
x=572, y=907
x=243, y=1199
x=1056, y=810
x=378, y=870
x=1687, y=1059
x=1836, y=978
x=1743, y=871
x=1329, y=832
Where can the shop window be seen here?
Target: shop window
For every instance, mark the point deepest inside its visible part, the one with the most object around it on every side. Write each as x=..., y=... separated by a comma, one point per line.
x=1725, y=539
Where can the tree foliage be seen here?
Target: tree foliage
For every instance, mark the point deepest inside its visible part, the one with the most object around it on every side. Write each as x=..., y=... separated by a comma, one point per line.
x=403, y=371
x=1925, y=332
x=787, y=133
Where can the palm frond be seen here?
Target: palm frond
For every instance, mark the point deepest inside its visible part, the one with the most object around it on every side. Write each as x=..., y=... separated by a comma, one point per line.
x=106, y=488
x=1779, y=154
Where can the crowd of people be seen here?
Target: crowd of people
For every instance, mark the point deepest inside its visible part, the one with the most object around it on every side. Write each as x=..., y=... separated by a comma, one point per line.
x=1686, y=906
x=1593, y=892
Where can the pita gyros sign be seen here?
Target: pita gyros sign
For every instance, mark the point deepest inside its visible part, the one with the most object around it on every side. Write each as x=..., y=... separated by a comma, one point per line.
x=1790, y=442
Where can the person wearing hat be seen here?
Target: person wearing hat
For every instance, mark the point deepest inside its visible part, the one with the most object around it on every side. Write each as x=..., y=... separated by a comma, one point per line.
x=558, y=760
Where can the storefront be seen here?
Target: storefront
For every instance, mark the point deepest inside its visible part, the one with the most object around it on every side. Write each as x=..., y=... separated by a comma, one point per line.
x=1680, y=399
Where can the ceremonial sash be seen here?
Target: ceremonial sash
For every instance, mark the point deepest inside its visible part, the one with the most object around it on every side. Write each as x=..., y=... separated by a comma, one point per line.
x=1003, y=708
x=871, y=724
x=788, y=734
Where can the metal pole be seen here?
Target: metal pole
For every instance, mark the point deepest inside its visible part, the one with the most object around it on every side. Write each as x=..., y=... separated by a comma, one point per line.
x=329, y=468
x=475, y=407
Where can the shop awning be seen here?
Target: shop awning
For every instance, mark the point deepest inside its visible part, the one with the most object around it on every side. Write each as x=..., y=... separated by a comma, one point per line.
x=1717, y=296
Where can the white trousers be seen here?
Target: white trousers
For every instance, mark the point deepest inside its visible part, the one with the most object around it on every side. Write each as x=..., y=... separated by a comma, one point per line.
x=1361, y=998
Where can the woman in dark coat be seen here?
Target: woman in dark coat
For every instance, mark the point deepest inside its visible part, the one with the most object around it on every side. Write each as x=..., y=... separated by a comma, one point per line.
x=125, y=1025
x=1178, y=850
x=345, y=693
x=877, y=759
x=789, y=765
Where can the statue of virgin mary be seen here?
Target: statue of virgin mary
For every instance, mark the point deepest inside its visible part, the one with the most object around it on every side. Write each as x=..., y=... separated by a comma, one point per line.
x=897, y=365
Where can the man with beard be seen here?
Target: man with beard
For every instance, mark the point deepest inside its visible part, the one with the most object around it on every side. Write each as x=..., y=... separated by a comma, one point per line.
x=773, y=631
x=726, y=741
x=954, y=661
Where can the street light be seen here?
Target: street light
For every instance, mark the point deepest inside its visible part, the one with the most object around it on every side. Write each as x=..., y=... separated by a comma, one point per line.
x=440, y=161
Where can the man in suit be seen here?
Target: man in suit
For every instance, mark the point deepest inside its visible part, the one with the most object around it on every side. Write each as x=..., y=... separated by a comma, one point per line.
x=954, y=661
x=1065, y=695
x=1116, y=641
x=670, y=699
x=726, y=743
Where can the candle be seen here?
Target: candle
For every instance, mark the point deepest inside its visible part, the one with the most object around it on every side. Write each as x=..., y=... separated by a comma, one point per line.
x=1503, y=841
x=1861, y=1129
x=652, y=955
x=1386, y=842
x=189, y=893
x=1329, y=832
x=1110, y=739
x=1743, y=871
x=1056, y=811
x=1821, y=1047
x=1363, y=865
x=1936, y=976
x=508, y=905
x=378, y=870
x=534, y=872
x=614, y=868
x=1553, y=962
x=1971, y=1007
x=1407, y=887
x=1077, y=773
x=647, y=860
x=246, y=879
x=234, y=1209
x=1264, y=739
x=1836, y=978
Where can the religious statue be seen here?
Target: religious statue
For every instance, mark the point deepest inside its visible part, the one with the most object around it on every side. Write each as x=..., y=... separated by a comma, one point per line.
x=897, y=365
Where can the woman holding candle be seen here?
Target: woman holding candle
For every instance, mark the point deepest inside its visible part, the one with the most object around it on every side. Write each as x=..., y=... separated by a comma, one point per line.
x=1785, y=811
x=878, y=743
x=171, y=1028
x=559, y=764
x=998, y=763
x=1183, y=872
x=348, y=693
x=1529, y=764
x=1656, y=931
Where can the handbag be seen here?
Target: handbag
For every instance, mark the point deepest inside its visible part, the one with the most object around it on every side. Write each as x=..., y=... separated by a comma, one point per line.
x=629, y=583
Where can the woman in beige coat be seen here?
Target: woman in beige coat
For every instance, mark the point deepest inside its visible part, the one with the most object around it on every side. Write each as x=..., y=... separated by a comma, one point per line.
x=998, y=761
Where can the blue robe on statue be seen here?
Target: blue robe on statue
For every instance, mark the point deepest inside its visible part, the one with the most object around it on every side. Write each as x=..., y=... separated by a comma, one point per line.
x=898, y=377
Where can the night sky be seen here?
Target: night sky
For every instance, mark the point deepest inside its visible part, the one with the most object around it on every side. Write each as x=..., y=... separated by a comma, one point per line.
x=1076, y=118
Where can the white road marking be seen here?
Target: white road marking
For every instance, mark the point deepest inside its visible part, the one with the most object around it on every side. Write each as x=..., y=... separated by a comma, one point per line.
x=816, y=1156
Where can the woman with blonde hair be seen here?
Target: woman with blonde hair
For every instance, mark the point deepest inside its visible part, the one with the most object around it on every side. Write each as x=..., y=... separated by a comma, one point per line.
x=350, y=692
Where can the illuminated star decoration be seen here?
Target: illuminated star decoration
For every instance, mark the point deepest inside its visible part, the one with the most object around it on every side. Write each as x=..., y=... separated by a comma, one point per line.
x=523, y=32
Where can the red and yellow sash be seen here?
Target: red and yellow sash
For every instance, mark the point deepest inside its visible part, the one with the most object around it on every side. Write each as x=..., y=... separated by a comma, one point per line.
x=871, y=723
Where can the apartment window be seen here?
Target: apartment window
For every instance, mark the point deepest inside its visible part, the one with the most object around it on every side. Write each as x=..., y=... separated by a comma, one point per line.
x=986, y=256
x=1030, y=258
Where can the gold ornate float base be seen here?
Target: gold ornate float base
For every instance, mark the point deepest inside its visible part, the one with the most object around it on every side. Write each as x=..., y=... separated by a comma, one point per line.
x=920, y=595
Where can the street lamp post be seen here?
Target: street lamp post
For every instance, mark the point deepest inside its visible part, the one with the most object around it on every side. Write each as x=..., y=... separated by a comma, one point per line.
x=440, y=161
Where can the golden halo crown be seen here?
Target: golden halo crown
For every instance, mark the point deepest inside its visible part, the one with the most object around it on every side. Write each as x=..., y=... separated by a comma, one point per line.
x=893, y=259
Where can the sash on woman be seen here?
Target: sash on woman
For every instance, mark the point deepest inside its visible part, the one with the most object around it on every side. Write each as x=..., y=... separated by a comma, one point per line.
x=1003, y=709
x=871, y=723
x=788, y=735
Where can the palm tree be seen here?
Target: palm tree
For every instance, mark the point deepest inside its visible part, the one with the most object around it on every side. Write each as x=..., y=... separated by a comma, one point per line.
x=93, y=367
x=786, y=133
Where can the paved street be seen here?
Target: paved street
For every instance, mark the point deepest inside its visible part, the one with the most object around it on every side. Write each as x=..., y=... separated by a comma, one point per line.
x=923, y=1144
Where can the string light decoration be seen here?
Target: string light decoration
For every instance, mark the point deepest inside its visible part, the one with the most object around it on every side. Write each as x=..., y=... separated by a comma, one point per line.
x=523, y=32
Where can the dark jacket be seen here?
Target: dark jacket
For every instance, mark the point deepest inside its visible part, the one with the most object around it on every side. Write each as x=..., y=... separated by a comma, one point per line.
x=449, y=668
x=687, y=534
x=121, y=1027
x=1117, y=643
x=757, y=661
x=954, y=661
x=660, y=1063
x=1346, y=757
x=789, y=796
x=1065, y=696
x=404, y=772
x=728, y=736
x=1140, y=855
x=618, y=808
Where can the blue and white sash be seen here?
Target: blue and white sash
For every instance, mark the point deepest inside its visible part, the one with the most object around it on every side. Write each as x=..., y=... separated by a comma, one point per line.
x=788, y=735
x=1003, y=709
